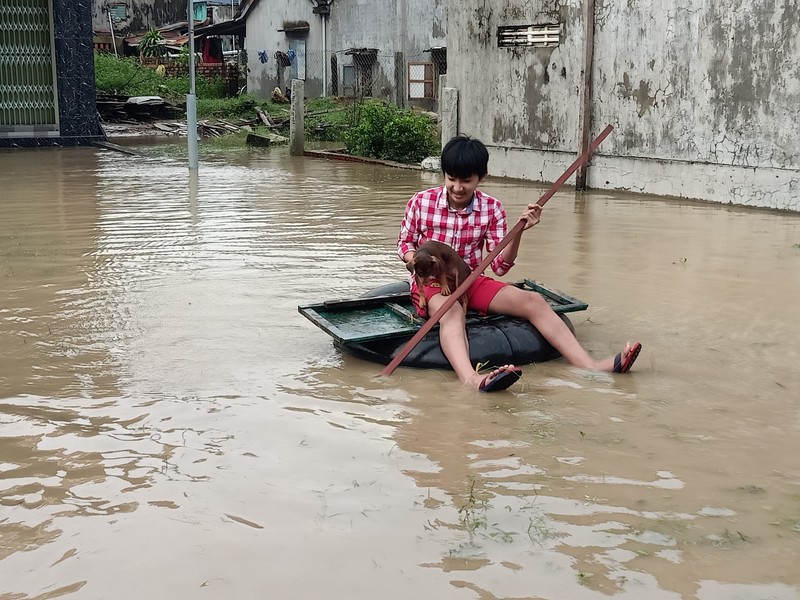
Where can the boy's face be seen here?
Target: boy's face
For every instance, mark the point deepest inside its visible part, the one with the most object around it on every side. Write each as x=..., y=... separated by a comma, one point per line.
x=460, y=190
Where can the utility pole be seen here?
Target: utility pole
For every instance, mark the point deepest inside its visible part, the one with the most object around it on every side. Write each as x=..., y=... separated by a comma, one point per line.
x=191, y=99
x=585, y=118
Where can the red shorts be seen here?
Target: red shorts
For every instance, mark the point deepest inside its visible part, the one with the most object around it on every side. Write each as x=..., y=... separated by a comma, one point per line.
x=479, y=295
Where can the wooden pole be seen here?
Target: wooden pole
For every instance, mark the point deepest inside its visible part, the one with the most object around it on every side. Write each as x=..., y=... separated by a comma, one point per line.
x=585, y=117
x=517, y=230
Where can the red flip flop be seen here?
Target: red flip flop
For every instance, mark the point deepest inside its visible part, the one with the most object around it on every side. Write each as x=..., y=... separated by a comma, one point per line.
x=507, y=377
x=624, y=367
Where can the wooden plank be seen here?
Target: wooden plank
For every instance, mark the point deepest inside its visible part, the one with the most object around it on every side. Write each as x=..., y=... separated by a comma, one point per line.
x=404, y=312
x=363, y=302
x=559, y=301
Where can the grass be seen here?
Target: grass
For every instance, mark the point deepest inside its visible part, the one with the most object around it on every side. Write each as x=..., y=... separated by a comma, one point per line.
x=127, y=77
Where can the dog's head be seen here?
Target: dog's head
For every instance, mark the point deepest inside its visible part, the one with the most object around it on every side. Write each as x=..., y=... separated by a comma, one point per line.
x=425, y=265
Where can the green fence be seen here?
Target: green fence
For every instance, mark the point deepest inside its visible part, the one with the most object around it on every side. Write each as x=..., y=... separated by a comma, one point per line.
x=27, y=86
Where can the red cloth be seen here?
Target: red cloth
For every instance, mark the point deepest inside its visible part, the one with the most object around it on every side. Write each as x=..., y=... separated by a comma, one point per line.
x=479, y=295
x=482, y=224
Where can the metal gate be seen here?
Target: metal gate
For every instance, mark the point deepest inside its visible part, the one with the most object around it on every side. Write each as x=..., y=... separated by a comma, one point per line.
x=28, y=104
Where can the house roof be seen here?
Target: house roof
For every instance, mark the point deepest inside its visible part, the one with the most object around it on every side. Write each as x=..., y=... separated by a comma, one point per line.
x=170, y=36
x=236, y=26
x=245, y=6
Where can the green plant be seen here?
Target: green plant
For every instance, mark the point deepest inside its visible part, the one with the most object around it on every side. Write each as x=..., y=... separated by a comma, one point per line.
x=389, y=132
x=151, y=44
x=183, y=56
x=126, y=76
x=326, y=119
x=241, y=106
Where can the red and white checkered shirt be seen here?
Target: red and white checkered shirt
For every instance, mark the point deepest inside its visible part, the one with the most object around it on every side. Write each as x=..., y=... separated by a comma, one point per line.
x=482, y=224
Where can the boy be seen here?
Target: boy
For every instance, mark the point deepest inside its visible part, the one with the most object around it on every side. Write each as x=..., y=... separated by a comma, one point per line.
x=460, y=215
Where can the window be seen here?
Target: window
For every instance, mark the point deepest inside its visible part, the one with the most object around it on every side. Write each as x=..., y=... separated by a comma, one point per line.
x=536, y=36
x=118, y=12
x=297, y=55
x=200, y=10
x=364, y=60
x=421, y=81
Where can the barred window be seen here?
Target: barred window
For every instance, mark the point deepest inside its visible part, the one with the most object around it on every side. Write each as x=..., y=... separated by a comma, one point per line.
x=421, y=81
x=536, y=36
x=119, y=12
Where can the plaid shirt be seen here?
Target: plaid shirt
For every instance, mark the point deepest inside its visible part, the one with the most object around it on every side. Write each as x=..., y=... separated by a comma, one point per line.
x=429, y=217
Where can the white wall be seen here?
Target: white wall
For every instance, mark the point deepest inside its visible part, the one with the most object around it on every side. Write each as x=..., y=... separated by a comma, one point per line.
x=704, y=97
x=392, y=26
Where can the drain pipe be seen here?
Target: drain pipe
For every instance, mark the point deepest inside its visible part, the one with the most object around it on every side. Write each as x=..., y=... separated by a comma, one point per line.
x=323, y=9
x=324, y=56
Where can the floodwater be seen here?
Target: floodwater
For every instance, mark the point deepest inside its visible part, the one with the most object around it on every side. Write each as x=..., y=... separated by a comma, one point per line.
x=171, y=427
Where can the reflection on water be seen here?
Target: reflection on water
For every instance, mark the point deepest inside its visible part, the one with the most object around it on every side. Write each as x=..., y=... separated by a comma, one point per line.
x=163, y=406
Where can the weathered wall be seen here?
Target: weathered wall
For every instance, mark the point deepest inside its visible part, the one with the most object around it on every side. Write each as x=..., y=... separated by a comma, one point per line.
x=142, y=14
x=263, y=24
x=704, y=97
x=392, y=26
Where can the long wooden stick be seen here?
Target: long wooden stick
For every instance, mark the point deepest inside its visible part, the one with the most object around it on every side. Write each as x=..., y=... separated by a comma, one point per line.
x=465, y=285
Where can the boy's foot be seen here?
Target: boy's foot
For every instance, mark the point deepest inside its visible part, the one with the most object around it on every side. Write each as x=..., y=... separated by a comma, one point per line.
x=500, y=379
x=623, y=361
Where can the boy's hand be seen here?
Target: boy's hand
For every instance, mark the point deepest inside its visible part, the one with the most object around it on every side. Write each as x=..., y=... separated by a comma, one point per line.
x=532, y=215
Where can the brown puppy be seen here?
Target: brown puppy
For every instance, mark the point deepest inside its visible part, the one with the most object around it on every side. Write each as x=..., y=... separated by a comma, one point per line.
x=437, y=262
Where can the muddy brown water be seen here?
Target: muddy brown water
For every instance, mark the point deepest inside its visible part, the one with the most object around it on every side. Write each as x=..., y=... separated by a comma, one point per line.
x=171, y=427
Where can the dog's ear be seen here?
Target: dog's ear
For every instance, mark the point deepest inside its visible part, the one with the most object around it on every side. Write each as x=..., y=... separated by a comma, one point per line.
x=421, y=288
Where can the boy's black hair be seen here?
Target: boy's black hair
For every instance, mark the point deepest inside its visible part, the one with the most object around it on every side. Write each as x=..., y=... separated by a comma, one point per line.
x=464, y=156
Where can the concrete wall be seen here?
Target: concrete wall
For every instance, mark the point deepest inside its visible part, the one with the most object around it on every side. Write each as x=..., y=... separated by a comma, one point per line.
x=142, y=14
x=704, y=97
x=400, y=29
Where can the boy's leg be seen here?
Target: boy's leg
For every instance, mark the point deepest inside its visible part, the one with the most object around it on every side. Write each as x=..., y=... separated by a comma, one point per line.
x=453, y=339
x=511, y=300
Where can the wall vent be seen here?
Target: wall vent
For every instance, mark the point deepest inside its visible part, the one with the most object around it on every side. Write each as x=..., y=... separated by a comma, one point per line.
x=536, y=36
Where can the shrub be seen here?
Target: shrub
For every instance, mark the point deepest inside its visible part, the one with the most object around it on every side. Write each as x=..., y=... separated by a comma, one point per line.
x=241, y=106
x=389, y=132
x=127, y=77
x=151, y=44
x=123, y=76
x=326, y=119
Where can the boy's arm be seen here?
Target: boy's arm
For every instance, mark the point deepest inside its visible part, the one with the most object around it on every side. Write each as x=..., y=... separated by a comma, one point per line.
x=409, y=230
x=507, y=257
x=497, y=231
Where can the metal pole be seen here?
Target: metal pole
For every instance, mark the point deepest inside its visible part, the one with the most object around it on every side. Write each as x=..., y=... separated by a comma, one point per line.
x=191, y=99
x=113, y=39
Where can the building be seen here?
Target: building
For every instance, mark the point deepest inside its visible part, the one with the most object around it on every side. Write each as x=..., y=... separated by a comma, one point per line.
x=120, y=24
x=132, y=16
x=47, y=96
x=390, y=49
x=704, y=96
